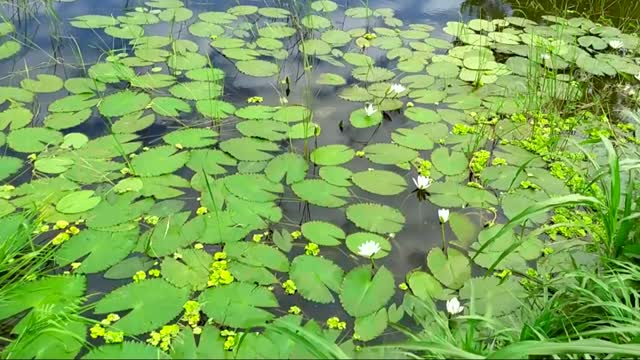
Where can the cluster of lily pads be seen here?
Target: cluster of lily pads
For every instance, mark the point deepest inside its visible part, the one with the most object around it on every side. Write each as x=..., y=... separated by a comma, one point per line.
x=197, y=277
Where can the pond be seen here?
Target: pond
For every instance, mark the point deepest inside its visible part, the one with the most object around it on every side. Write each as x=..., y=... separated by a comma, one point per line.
x=197, y=169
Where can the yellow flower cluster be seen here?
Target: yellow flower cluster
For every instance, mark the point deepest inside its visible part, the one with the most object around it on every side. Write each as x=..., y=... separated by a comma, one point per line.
x=191, y=313
x=255, y=100
x=335, y=323
x=230, y=342
x=312, y=249
x=154, y=272
x=63, y=236
x=202, y=210
x=294, y=310
x=110, y=337
x=360, y=153
x=151, y=220
x=289, y=287
x=219, y=274
x=164, y=337
x=296, y=234
x=139, y=276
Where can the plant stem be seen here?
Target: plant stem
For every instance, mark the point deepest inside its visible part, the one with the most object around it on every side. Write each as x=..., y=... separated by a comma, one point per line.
x=444, y=241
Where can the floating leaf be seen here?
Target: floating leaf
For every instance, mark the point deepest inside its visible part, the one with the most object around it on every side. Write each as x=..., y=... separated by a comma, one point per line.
x=249, y=149
x=33, y=140
x=78, y=202
x=238, y=304
x=451, y=269
x=316, y=277
x=323, y=233
x=291, y=165
x=159, y=160
x=191, y=138
x=148, y=311
x=376, y=218
x=97, y=250
x=449, y=163
x=44, y=84
x=380, y=182
x=389, y=154
x=126, y=350
x=192, y=271
x=363, y=293
x=257, y=68
x=123, y=103
x=321, y=193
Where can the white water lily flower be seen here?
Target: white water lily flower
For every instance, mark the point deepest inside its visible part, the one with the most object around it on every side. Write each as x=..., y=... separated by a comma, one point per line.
x=422, y=182
x=397, y=88
x=454, y=307
x=443, y=215
x=370, y=109
x=368, y=248
x=616, y=44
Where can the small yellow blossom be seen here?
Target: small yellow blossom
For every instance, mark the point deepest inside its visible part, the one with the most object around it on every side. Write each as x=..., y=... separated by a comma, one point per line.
x=213, y=37
x=177, y=255
x=146, y=148
x=164, y=337
x=44, y=228
x=220, y=255
x=125, y=171
x=257, y=237
x=255, y=100
x=296, y=235
x=410, y=104
x=312, y=249
x=360, y=153
x=154, y=272
x=197, y=330
x=61, y=225
x=75, y=265
x=113, y=317
x=202, y=210
x=179, y=146
x=139, y=276
x=294, y=310
x=547, y=251
x=370, y=36
x=504, y=274
x=113, y=337
x=198, y=246
x=32, y=157
x=151, y=220
x=191, y=313
x=335, y=323
x=8, y=188
x=97, y=331
x=289, y=287
x=73, y=230
x=403, y=286
x=229, y=343
x=60, y=238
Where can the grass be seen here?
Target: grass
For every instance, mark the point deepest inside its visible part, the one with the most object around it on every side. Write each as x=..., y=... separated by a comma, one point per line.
x=24, y=258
